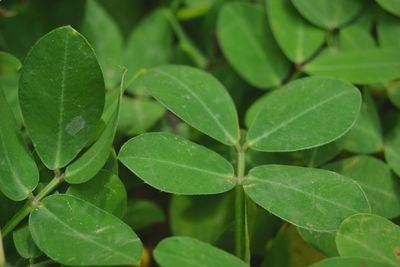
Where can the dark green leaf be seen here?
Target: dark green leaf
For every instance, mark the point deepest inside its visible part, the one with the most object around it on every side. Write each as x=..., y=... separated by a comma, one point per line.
x=142, y=213
x=322, y=241
x=392, y=149
x=392, y=6
x=24, y=243
x=388, y=30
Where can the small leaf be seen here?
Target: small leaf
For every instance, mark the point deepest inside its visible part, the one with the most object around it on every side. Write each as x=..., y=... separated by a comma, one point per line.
x=371, y=237
x=328, y=14
x=142, y=213
x=303, y=114
x=355, y=37
x=249, y=46
x=392, y=149
x=322, y=241
x=173, y=164
x=388, y=30
x=297, y=38
x=72, y=231
x=350, y=262
x=24, y=243
x=375, y=178
x=19, y=174
x=365, y=66
x=196, y=97
x=392, y=6
x=313, y=199
x=61, y=94
x=189, y=252
x=105, y=190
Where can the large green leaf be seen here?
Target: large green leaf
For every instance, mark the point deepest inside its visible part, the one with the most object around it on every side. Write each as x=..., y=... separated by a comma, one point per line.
x=173, y=164
x=365, y=66
x=392, y=148
x=61, y=94
x=189, y=252
x=196, y=97
x=105, y=190
x=19, y=174
x=297, y=38
x=105, y=37
x=392, y=6
x=350, y=262
x=248, y=44
x=303, y=114
x=24, y=243
x=375, y=178
x=313, y=199
x=369, y=236
x=72, y=231
x=327, y=13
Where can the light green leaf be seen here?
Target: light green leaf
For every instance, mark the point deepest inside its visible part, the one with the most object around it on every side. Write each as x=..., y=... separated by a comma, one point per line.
x=322, y=241
x=297, y=38
x=328, y=14
x=313, y=199
x=87, y=165
x=19, y=174
x=362, y=66
x=366, y=134
x=189, y=252
x=350, y=262
x=72, y=231
x=355, y=37
x=196, y=97
x=375, y=178
x=138, y=115
x=24, y=243
x=392, y=6
x=249, y=46
x=61, y=94
x=105, y=37
x=150, y=44
x=369, y=236
x=173, y=164
x=303, y=114
x=105, y=190
x=388, y=30
x=142, y=213
x=392, y=149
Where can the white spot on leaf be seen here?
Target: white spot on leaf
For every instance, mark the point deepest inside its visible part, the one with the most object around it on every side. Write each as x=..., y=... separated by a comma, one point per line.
x=75, y=125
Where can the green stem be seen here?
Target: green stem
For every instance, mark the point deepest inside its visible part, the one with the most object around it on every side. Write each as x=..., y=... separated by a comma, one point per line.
x=185, y=44
x=242, y=242
x=30, y=204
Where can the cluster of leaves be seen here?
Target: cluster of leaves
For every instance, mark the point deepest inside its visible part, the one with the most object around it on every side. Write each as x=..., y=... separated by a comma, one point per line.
x=306, y=174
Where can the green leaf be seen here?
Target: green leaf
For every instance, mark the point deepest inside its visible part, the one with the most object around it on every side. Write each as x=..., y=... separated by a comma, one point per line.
x=105, y=190
x=249, y=46
x=355, y=37
x=322, y=241
x=24, y=243
x=138, y=115
x=196, y=97
x=189, y=252
x=150, y=44
x=349, y=262
x=303, y=114
x=366, y=134
x=297, y=38
x=362, y=66
x=328, y=14
x=87, y=165
x=72, y=231
x=105, y=37
x=388, y=31
x=19, y=174
x=61, y=94
x=393, y=91
x=142, y=213
x=392, y=149
x=375, y=178
x=369, y=236
x=317, y=156
x=173, y=164
x=313, y=199
x=392, y=6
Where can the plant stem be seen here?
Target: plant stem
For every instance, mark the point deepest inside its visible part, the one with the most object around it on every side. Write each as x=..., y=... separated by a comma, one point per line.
x=242, y=242
x=31, y=203
x=185, y=43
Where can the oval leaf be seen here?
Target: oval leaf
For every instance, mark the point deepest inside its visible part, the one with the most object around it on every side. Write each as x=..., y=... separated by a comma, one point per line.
x=24, y=243
x=196, y=97
x=173, y=164
x=369, y=236
x=313, y=199
x=392, y=6
x=361, y=66
x=19, y=174
x=349, y=262
x=249, y=46
x=303, y=114
x=189, y=252
x=72, y=231
x=61, y=94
